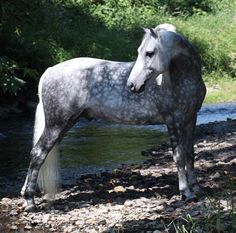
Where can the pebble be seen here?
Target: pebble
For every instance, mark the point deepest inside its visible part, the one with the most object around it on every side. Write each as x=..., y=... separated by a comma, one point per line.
x=45, y=218
x=128, y=207
x=119, y=189
x=27, y=227
x=13, y=213
x=128, y=203
x=79, y=222
x=14, y=227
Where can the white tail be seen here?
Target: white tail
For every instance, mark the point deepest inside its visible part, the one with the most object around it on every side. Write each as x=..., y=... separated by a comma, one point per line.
x=48, y=179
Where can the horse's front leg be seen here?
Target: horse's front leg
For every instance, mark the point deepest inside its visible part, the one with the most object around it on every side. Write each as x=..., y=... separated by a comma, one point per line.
x=179, y=154
x=190, y=156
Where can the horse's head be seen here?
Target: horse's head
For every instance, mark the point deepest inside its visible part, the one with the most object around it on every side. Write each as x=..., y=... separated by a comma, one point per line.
x=159, y=45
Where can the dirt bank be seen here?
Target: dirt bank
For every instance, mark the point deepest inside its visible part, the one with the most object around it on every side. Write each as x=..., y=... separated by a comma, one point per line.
x=142, y=198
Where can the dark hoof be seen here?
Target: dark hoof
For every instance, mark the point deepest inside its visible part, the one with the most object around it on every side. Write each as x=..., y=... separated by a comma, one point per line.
x=193, y=198
x=198, y=190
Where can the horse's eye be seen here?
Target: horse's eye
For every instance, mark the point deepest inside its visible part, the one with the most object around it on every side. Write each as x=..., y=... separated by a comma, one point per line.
x=149, y=54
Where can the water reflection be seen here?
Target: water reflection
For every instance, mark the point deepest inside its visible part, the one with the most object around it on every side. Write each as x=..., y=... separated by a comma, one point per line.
x=107, y=145
x=88, y=145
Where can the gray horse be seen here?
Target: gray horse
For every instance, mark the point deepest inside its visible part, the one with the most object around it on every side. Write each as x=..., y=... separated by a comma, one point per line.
x=167, y=75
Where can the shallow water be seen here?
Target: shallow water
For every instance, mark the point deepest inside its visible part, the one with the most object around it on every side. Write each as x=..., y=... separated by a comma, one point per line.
x=216, y=112
x=89, y=145
x=96, y=145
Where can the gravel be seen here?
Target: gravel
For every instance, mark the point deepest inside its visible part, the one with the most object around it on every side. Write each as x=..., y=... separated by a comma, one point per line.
x=140, y=198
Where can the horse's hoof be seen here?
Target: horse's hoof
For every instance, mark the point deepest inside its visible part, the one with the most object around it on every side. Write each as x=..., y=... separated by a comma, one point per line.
x=192, y=199
x=30, y=208
x=197, y=190
x=189, y=198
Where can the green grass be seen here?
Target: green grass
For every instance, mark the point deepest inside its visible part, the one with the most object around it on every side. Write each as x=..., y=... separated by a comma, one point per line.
x=218, y=216
x=221, y=90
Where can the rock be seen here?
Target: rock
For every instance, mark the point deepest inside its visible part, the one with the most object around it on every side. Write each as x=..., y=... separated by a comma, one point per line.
x=14, y=227
x=13, y=213
x=128, y=203
x=216, y=175
x=52, y=229
x=159, y=207
x=79, y=223
x=103, y=222
x=6, y=200
x=119, y=189
x=69, y=229
x=45, y=218
x=27, y=227
x=130, y=187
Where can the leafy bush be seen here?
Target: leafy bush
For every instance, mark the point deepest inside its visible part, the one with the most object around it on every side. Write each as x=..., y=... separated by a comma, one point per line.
x=8, y=78
x=37, y=34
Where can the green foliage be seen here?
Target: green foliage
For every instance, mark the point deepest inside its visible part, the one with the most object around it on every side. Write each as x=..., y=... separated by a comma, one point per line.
x=8, y=79
x=38, y=34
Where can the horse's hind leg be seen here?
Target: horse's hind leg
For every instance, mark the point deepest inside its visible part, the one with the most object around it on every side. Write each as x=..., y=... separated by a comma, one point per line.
x=38, y=155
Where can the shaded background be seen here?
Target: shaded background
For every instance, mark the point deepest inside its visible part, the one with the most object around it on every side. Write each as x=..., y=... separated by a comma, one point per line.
x=37, y=34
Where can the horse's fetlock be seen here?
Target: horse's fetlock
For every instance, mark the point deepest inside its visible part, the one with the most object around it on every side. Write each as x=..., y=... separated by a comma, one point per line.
x=187, y=194
x=28, y=194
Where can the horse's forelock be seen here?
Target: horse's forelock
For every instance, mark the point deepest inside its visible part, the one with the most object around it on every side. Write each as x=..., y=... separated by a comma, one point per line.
x=145, y=37
x=166, y=26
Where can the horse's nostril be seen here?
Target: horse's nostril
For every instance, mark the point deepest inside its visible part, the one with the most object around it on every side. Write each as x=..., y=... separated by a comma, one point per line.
x=131, y=87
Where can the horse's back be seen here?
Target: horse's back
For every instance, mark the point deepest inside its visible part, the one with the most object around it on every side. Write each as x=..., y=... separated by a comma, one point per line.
x=76, y=84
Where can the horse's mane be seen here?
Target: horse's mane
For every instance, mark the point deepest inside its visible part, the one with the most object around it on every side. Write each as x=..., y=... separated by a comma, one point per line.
x=191, y=51
x=184, y=43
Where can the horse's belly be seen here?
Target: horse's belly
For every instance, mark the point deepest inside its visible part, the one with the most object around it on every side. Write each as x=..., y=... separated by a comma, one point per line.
x=130, y=116
x=143, y=118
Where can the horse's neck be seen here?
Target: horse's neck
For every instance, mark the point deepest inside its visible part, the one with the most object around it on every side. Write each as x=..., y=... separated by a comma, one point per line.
x=184, y=67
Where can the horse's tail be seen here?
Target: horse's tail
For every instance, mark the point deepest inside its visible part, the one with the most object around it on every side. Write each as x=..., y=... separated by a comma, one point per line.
x=48, y=178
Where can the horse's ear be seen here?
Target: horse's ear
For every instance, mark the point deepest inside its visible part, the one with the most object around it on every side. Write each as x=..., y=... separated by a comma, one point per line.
x=153, y=33
x=145, y=29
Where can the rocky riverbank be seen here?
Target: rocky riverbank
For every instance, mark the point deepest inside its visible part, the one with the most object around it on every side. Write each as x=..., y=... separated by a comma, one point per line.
x=141, y=198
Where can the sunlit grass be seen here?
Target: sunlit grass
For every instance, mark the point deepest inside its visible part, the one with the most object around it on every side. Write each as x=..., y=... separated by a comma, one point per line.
x=221, y=90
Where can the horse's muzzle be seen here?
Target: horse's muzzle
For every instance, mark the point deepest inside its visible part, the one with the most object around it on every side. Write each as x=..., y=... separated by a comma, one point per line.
x=133, y=89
